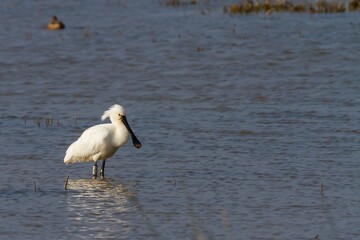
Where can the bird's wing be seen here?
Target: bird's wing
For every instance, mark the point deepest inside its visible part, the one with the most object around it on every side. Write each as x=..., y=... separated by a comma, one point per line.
x=90, y=143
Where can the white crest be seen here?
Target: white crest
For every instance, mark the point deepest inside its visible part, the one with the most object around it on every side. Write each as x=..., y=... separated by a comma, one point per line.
x=114, y=109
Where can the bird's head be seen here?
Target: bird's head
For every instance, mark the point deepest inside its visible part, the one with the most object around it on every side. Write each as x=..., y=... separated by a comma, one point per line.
x=117, y=115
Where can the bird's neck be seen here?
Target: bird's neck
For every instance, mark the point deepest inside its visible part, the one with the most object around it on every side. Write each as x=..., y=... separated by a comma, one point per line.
x=121, y=135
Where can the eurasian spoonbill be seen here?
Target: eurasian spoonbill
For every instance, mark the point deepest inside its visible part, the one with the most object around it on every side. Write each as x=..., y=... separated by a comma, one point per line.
x=101, y=142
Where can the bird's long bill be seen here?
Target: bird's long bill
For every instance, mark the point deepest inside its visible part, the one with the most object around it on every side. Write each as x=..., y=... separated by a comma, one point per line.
x=135, y=141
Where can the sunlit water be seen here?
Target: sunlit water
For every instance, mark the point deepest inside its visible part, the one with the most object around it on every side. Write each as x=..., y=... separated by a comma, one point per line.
x=242, y=120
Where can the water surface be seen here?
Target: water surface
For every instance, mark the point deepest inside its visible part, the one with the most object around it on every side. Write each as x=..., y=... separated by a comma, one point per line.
x=242, y=119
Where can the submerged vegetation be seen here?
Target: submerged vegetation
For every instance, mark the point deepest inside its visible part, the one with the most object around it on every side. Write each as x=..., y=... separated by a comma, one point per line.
x=50, y=121
x=180, y=2
x=269, y=6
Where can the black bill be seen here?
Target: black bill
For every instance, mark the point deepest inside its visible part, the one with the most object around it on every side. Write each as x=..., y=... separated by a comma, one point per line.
x=135, y=141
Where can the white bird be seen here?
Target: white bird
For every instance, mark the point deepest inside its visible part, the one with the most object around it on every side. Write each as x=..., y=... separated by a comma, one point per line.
x=101, y=142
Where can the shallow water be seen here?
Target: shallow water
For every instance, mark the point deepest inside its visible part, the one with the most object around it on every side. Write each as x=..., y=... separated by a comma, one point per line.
x=242, y=119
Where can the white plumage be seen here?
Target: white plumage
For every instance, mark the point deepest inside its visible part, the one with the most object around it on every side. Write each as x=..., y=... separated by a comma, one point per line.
x=100, y=142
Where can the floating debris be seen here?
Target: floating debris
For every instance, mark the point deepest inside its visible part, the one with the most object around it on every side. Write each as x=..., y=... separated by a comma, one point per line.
x=28, y=36
x=86, y=32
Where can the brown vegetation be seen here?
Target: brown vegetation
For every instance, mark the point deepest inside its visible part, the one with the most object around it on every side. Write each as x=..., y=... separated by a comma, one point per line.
x=180, y=2
x=268, y=6
x=354, y=5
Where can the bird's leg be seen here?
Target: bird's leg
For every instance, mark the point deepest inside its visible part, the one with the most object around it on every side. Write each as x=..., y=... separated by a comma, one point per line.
x=95, y=167
x=102, y=171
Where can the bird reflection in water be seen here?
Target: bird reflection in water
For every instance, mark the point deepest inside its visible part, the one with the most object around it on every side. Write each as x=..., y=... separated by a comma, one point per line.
x=97, y=206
